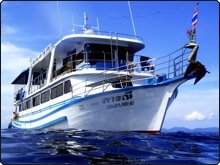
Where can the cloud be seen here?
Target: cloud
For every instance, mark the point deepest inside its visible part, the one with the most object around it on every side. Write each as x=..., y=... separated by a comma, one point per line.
x=14, y=58
x=195, y=116
x=211, y=115
x=9, y=30
x=6, y=90
x=204, y=100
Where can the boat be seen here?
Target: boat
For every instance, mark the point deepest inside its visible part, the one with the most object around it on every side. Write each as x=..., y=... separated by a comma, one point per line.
x=95, y=80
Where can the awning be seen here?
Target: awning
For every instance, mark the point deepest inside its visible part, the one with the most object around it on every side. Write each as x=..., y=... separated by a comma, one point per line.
x=22, y=78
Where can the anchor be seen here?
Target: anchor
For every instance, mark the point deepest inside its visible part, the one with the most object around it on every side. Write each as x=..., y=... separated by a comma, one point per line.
x=195, y=67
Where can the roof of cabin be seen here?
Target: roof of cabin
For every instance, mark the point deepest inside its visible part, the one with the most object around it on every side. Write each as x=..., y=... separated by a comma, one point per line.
x=22, y=77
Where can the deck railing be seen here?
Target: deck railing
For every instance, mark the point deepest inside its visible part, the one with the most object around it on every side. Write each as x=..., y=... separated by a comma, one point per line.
x=168, y=66
x=159, y=69
x=104, y=33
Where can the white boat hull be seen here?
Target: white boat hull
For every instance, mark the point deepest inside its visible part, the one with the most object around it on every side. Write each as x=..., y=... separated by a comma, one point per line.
x=131, y=109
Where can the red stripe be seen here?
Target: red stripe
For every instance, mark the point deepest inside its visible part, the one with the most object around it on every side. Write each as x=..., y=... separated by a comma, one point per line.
x=195, y=23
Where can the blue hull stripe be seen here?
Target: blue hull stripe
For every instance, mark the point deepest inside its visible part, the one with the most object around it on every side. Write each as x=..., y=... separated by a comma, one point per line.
x=77, y=100
x=64, y=118
x=49, y=107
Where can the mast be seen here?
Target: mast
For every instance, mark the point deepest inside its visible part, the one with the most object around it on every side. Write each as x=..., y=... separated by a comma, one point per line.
x=86, y=25
x=85, y=19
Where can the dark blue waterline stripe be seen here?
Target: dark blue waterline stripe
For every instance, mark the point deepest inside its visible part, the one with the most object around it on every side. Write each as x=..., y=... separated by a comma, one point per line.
x=64, y=118
x=77, y=100
x=47, y=108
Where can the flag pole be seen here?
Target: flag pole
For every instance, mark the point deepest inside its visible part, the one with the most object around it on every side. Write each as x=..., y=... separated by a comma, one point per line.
x=195, y=15
x=194, y=24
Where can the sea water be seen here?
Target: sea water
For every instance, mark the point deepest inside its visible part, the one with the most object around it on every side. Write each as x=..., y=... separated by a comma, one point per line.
x=86, y=147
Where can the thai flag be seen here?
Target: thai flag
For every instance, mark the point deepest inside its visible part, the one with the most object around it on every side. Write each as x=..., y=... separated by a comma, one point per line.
x=195, y=15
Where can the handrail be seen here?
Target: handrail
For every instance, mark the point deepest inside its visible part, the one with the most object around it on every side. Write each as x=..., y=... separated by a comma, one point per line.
x=110, y=34
x=171, y=67
x=113, y=78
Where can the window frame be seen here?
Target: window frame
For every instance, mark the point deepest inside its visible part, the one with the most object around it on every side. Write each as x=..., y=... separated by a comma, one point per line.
x=67, y=87
x=54, y=91
x=34, y=100
x=45, y=96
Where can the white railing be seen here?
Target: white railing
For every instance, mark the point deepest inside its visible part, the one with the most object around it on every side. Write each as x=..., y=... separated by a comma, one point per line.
x=165, y=67
x=38, y=82
x=157, y=71
x=105, y=33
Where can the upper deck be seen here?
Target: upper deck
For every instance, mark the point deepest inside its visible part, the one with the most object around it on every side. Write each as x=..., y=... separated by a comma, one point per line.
x=135, y=43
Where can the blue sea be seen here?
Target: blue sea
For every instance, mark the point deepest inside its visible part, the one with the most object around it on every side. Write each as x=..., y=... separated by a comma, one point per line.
x=85, y=147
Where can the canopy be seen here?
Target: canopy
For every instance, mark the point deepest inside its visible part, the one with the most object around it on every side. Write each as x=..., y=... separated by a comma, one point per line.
x=22, y=78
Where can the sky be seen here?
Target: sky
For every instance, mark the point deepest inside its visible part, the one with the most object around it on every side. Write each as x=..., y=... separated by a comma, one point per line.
x=27, y=28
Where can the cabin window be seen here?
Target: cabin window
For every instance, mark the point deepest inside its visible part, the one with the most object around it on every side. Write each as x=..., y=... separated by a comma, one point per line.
x=122, y=84
x=36, y=101
x=24, y=106
x=57, y=91
x=20, y=108
x=106, y=56
x=116, y=84
x=28, y=104
x=67, y=87
x=79, y=58
x=45, y=96
x=53, y=93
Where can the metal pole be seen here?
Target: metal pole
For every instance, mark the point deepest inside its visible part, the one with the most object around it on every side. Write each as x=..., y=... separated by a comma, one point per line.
x=168, y=68
x=116, y=52
x=58, y=11
x=85, y=19
x=126, y=60
x=111, y=51
x=97, y=20
x=104, y=60
x=73, y=30
x=132, y=19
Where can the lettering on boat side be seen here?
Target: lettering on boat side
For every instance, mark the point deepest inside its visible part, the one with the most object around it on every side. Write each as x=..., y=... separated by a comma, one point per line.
x=126, y=96
x=116, y=101
x=118, y=105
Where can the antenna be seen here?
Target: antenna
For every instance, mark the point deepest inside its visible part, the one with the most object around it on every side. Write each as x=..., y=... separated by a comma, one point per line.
x=132, y=19
x=86, y=25
x=97, y=20
x=58, y=12
x=73, y=30
x=87, y=28
x=85, y=18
